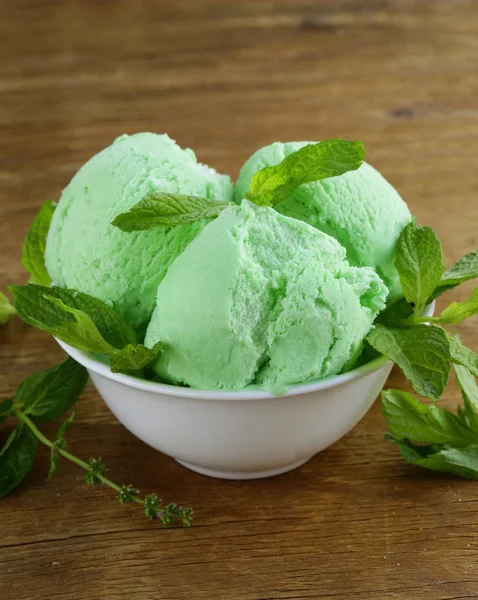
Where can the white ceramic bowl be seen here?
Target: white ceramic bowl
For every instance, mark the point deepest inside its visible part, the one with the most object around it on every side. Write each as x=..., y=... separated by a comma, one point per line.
x=239, y=435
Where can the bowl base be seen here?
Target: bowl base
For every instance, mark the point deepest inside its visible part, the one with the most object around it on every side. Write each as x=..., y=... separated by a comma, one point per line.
x=241, y=475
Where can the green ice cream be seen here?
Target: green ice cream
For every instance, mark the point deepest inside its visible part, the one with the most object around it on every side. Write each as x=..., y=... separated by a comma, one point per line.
x=86, y=253
x=360, y=209
x=258, y=297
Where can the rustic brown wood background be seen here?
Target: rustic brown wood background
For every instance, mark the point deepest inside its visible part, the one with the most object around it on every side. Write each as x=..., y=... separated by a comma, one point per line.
x=225, y=77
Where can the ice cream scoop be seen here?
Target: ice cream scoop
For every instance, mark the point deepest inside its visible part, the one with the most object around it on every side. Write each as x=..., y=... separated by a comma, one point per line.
x=258, y=297
x=360, y=209
x=86, y=253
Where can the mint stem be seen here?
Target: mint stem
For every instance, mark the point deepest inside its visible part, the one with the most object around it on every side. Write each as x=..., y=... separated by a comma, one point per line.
x=167, y=514
x=80, y=463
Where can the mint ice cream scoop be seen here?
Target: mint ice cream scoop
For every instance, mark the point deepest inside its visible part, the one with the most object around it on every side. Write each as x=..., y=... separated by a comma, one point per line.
x=360, y=209
x=258, y=297
x=86, y=253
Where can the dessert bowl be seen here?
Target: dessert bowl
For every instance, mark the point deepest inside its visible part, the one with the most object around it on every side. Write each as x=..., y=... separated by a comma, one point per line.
x=245, y=434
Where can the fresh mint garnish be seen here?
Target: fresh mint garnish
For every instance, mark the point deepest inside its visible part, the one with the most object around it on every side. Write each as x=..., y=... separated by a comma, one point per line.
x=134, y=358
x=313, y=162
x=161, y=209
x=419, y=263
x=84, y=323
x=422, y=352
x=47, y=395
x=81, y=332
x=6, y=309
x=33, y=254
x=432, y=437
x=465, y=269
x=268, y=187
x=429, y=436
x=76, y=318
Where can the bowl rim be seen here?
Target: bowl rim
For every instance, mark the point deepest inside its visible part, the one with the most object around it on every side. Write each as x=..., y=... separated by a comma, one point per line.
x=98, y=367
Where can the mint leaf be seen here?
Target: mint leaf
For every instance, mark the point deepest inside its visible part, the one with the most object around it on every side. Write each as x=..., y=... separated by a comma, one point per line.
x=466, y=268
x=17, y=460
x=5, y=408
x=76, y=318
x=82, y=333
x=419, y=263
x=407, y=418
x=133, y=358
x=33, y=254
x=461, y=355
x=457, y=461
x=458, y=311
x=6, y=309
x=160, y=209
x=313, y=162
x=50, y=393
x=421, y=351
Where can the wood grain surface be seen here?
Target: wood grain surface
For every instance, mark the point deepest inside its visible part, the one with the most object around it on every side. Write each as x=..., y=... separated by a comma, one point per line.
x=225, y=77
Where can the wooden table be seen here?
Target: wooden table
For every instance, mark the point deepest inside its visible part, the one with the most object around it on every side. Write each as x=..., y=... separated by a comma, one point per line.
x=356, y=522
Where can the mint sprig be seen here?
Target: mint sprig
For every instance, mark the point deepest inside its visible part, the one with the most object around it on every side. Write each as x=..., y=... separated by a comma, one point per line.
x=432, y=437
x=34, y=244
x=73, y=317
x=426, y=435
x=6, y=309
x=85, y=323
x=161, y=209
x=81, y=332
x=47, y=395
x=313, y=162
x=424, y=353
x=268, y=187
